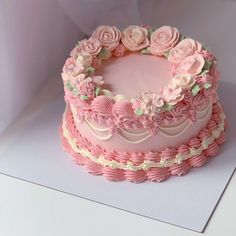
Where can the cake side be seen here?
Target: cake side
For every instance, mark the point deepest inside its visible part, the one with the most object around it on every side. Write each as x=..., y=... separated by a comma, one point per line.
x=141, y=103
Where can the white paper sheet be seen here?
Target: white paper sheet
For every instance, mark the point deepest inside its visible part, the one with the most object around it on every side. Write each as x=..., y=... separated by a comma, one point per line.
x=186, y=201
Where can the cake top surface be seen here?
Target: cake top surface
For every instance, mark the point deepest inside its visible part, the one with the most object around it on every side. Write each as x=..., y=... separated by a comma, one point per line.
x=134, y=73
x=139, y=74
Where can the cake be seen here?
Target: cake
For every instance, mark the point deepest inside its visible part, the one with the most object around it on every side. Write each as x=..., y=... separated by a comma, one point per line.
x=141, y=104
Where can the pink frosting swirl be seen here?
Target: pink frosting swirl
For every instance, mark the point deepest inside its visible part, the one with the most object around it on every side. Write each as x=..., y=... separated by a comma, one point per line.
x=153, y=156
x=212, y=125
x=216, y=117
x=183, y=149
x=135, y=38
x=197, y=161
x=214, y=72
x=124, y=157
x=93, y=167
x=180, y=169
x=179, y=110
x=191, y=65
x=108, y=36
x=198, y=101
x=123, y=109
x=113, y=174
x=195, y=142
x=91, y=46
x=211, y=92
x=212, y=149
x=102, y=105
x=186, y=47
x=168, y=153
x=135, y=176
x=205, y=133
x=163, y=39
x=111, y=155
x=137, y=158
x=158, y=174
x=217, y=108
x=221, y=139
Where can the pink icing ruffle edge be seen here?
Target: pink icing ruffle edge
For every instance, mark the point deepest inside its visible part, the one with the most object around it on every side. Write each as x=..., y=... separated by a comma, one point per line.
x=157, y=174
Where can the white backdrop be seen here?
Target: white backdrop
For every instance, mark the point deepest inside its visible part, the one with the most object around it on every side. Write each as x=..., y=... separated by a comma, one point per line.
x=36, y=36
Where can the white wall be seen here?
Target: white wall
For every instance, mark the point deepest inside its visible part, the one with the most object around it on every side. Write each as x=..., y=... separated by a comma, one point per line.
x=35, y=38
x=37, y=35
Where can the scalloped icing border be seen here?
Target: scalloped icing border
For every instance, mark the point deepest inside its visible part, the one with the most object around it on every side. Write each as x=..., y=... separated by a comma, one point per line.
x=179, y=158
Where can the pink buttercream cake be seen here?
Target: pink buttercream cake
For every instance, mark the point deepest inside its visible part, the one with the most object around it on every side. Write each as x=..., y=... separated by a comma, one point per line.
x=141, y=104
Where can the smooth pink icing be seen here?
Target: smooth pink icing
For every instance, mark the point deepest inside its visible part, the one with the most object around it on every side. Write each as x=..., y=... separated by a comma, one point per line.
x=157, y=142
x=134, y=73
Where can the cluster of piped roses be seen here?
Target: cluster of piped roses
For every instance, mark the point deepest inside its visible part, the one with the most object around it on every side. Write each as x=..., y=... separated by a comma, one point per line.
x=191, y=64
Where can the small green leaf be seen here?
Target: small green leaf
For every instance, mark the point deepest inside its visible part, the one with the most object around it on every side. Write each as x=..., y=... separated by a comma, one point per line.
x=195, y=89
x=207, y=65
x=207, y=85
x=90, y=70
x=166, y=54
x=145, y=51
x=68, y=85
x=75, y=91
x=97, y=91
x=204, y=72
x=84, y=97
x=138, y=112
x=168, y=107
x=104, y=54
x=182, y=37
x=150, y=31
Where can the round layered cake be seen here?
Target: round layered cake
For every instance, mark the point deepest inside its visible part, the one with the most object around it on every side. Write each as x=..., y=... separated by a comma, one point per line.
x=141, y=104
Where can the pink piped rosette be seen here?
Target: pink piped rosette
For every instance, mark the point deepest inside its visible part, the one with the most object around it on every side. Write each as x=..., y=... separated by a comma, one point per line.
x=193, y=84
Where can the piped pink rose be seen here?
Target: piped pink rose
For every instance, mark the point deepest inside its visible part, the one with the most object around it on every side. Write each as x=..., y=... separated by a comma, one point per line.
x=84, y=58
x=72, y=68
x=108, y=36
x=191, y=65
x=172, y=95
x=135, y=38
x=183, y=81
x=163, y=39
x=91, y=46
x=185, y=48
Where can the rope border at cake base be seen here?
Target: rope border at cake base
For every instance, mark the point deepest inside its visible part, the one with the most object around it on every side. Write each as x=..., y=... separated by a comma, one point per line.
x=147, y=170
